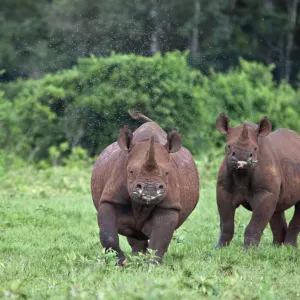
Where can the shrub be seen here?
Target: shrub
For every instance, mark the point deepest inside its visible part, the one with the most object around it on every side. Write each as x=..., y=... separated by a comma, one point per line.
x=86, y=106
x=247, y=93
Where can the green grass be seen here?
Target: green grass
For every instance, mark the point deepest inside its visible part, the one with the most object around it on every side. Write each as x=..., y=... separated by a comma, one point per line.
x=49, y=249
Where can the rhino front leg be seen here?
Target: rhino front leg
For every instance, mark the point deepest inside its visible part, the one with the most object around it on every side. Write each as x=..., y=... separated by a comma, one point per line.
x=263, y=206
x=226, y=212
x=107, y=221
x=162, y=227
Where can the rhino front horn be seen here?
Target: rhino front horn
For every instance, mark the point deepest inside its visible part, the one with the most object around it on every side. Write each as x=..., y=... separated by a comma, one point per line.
x=150, y=162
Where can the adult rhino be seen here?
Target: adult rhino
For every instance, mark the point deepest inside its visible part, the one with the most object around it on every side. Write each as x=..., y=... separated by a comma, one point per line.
x=144, y=186
x=260, y=171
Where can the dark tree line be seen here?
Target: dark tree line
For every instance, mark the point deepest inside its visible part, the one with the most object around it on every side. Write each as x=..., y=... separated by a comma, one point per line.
x=40, y=36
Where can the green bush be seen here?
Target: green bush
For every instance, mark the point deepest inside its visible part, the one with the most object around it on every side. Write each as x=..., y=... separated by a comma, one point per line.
x=85, y=107
x=9, y=161
x=26, y=124
x=247, y=93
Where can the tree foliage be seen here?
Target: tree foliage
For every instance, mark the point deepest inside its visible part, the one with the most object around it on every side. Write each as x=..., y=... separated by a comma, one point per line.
x=49, y=35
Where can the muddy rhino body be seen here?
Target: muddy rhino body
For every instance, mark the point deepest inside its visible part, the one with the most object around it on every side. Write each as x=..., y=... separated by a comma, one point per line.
x=260, y=171
x=128, y=176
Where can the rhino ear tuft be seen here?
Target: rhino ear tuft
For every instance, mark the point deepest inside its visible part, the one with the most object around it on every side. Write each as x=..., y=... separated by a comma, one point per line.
x=125, y=139
x=174, y=141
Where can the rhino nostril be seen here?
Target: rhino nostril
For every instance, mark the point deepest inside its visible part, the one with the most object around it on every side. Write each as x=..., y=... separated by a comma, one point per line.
x=160, y=187
x=250, y=154
x=233, y=153
x=139, y=187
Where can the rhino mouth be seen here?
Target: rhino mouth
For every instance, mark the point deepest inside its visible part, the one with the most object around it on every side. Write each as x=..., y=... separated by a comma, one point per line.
x=244, y=164
x=143, y=197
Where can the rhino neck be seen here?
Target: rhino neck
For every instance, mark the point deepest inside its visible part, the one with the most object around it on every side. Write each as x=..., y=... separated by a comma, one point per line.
x=242, y=178
x=141, y=213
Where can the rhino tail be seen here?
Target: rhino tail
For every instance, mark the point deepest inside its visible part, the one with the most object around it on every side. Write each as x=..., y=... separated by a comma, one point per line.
x=137, y=116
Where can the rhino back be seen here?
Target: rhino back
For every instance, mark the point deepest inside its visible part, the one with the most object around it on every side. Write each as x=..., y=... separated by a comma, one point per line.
x=149, y=129
x=284, y=147
x=285, y=143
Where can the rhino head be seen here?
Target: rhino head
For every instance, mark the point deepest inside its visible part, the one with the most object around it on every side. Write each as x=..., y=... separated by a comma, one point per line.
x=242, y=149
x=148, y=166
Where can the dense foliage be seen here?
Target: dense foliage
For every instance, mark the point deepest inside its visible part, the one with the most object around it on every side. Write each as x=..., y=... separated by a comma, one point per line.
x=49, y=35
x=84, y=107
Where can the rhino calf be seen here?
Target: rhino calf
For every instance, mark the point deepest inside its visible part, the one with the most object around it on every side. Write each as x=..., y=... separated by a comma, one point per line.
x=260, y=171
x=144, y=186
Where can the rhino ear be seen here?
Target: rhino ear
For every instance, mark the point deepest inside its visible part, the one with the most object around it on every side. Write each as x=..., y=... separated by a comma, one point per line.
x=125, y=139
x=222, y=123
x=174, y=141
x=264, y=127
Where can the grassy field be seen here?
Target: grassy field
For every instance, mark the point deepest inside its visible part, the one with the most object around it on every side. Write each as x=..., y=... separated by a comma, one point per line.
x=49, y=249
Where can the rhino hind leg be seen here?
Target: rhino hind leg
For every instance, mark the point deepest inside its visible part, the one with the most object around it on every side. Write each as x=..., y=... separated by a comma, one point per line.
x=278, y=227
x=138, y=245
x=294, y=228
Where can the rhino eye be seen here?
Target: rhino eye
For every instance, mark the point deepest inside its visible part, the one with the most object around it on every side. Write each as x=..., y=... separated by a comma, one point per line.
x=167, y=173
x=228, y=146
x=255, y=149
x=131, y=172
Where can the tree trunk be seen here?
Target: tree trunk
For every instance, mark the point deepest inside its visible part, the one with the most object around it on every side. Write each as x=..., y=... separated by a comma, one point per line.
x=269, y=8
x=292, y=16
x=281, y=56
x=154, y=44
x=195, y=33
x=269, y=5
